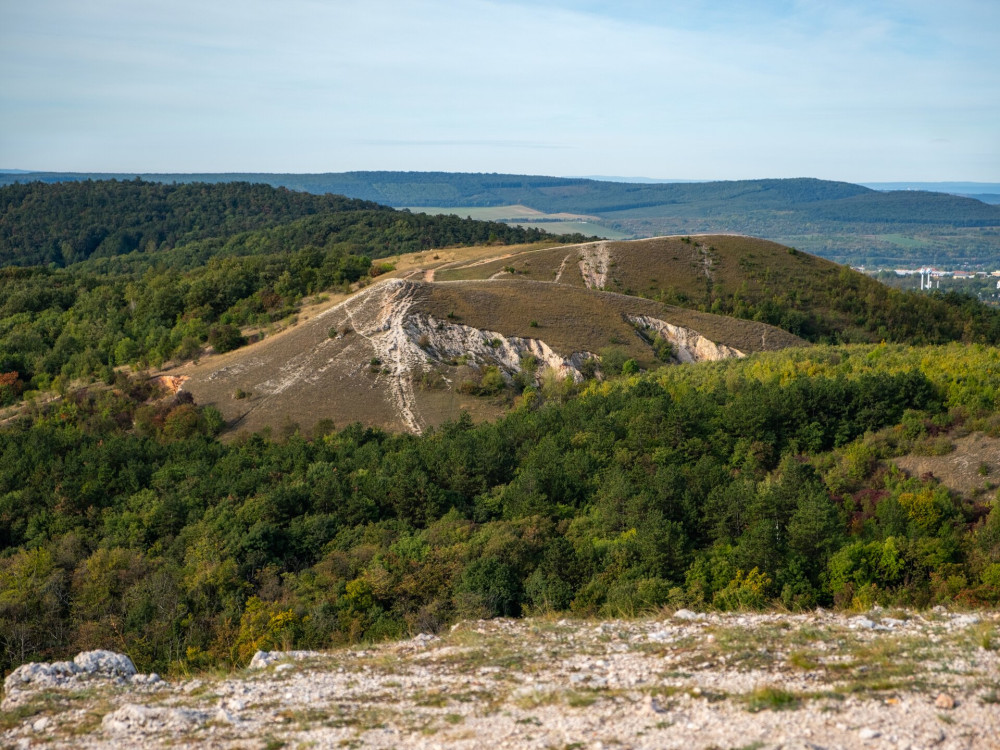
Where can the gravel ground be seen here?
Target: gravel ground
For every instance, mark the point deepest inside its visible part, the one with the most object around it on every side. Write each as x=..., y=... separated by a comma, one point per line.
x=883, y=679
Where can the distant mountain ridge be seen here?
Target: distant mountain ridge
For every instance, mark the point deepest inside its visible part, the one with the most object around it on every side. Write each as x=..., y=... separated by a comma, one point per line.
x=841, y=221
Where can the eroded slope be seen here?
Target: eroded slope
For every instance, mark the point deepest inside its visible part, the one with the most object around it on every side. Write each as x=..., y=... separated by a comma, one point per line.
x=397, y=354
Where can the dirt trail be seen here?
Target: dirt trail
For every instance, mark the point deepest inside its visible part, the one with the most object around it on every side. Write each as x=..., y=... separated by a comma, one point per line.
x=459, y=264
x=562, y=267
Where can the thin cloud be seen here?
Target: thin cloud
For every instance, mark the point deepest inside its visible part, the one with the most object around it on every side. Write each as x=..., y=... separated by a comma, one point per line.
x=850, y=90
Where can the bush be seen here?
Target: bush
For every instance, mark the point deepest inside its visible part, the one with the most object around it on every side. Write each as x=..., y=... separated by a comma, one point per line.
x=747, y=591
x=494, y=586
x=225, y=337
x=613, y=359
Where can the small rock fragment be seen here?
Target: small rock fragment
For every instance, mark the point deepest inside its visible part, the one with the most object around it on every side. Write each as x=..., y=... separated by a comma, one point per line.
x=652, y=705
x=867, y=733
x=944, y=701
x=41, y=724
x=132, y=716
x=964, y=620
x=266, y=658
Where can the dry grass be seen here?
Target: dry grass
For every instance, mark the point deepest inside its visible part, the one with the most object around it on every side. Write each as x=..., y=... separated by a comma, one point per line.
x=689, y=271
x=572, y=319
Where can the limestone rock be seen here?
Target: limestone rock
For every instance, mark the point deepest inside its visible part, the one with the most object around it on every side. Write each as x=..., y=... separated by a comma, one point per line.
x=687, y=614
x=105, y=663
x=264, y=659
x=37, y=675
x=86, y=665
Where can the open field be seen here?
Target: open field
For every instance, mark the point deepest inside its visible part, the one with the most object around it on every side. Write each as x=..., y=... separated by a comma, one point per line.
x=893, y=679
x=586, y=228
x=523, y=216
x=499, y=213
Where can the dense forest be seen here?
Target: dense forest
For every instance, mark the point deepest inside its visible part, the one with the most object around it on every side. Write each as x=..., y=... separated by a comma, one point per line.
x=160, y=271
x=67, y=222
x=125, y=523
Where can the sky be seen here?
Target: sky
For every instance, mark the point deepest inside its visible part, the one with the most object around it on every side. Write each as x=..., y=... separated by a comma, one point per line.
x=854, y=90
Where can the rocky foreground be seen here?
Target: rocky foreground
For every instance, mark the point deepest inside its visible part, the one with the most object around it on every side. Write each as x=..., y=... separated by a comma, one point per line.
x=820, y=680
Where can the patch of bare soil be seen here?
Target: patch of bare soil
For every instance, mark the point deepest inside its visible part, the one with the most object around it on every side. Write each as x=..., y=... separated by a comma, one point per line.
x=973, y=465
x=595, y=262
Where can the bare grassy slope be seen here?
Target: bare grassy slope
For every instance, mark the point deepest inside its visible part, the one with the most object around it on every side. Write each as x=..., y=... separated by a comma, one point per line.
x=401, y=353
x=576, y=319
x=724, y=273
x=690, y=267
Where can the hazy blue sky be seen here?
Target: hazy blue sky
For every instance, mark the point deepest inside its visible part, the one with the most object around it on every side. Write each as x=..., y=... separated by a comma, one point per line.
x=857, y=90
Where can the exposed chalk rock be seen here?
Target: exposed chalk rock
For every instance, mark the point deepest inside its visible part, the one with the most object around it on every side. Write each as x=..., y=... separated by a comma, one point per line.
x=37, y=675
x=105, y=663
x=689, y=345
x=687, y=614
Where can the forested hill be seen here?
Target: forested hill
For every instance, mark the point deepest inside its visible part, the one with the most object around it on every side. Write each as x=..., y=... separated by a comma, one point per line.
x=821, y=199
x=68, y=222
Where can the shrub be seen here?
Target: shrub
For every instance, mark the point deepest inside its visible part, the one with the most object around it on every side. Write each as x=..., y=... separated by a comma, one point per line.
x=225, y=337
x=747, y=591
x=492, y=382
x=493, y=585
x=613, y=360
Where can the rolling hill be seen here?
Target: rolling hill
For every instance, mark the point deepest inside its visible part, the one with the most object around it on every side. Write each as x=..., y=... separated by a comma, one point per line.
x=840, y=221
x=469, y=331
x=406, y=354
x=747, y=277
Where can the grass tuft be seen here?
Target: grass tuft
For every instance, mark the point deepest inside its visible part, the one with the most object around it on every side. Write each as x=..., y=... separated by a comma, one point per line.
x=771, y=699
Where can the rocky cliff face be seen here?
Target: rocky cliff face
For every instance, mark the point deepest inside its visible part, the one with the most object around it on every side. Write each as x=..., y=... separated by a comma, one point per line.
x=689, y=346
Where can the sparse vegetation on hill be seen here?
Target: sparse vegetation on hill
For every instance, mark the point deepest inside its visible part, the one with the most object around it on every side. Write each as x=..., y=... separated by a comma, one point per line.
x=407, y=354
x=754, y=279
